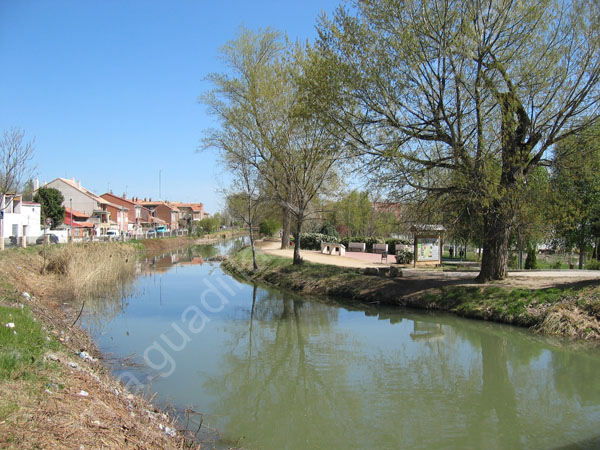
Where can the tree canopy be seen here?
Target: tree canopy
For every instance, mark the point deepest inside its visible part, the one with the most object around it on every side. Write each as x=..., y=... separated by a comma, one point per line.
x=51, y=201
x=462, y=99
x=576, y=189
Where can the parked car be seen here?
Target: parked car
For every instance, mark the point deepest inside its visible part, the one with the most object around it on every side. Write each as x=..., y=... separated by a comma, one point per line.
x=151, y=232
x=112, y=234
x=52, y=238
x=162, y=229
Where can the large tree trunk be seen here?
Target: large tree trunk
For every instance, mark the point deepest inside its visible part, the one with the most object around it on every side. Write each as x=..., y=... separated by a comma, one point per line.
x=297, y=234
x=494, y=263
x=285, y=236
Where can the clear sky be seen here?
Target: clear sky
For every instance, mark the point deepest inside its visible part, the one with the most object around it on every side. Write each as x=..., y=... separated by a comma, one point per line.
x=109, y=88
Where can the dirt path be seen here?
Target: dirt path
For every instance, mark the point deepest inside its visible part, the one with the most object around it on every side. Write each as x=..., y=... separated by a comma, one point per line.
x=538, y=279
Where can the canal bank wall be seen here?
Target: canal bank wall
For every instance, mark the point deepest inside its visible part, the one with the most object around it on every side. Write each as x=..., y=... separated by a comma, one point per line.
x=55, y=390
x=567, y=310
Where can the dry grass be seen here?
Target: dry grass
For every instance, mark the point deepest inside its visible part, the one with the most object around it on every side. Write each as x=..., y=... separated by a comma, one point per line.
x=570, y=321
x=91, y=269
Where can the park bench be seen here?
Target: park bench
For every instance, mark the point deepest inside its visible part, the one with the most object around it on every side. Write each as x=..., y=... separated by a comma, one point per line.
x=357, y=247
x=329, y=248
x=380, y=248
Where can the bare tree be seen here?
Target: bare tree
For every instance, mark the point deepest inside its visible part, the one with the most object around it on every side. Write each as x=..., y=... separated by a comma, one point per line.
x=15, y=167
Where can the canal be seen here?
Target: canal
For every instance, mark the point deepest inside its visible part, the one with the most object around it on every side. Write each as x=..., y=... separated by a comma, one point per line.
x=271, y=370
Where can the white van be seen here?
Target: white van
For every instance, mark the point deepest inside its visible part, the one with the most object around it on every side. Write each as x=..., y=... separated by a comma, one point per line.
x=112, y=234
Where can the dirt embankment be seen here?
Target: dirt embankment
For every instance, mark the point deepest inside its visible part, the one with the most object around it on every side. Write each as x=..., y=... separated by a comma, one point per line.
x=65, y=398
x=559, y=305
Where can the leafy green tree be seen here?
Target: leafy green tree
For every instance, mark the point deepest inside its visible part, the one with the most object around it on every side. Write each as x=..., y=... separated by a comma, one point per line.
x=209, y=224
x=354, y=212
x=461, y=98
x=51, y=201
x=269, y=227
x=259, y=101
x=576, y=189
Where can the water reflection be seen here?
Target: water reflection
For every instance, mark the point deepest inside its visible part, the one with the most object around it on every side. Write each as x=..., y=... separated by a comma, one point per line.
x=275, y=370
x=278, y=379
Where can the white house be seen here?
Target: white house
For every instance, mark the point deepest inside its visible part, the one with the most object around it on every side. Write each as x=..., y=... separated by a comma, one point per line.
x=20, y=218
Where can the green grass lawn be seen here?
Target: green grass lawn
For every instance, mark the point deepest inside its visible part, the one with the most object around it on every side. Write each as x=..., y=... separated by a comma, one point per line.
x=21, y=347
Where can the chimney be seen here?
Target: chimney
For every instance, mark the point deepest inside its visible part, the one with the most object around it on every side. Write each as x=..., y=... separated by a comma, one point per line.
x=150, y=199
x=144, y=198
x=36, y=184
x=79, y=184
x=124, y=196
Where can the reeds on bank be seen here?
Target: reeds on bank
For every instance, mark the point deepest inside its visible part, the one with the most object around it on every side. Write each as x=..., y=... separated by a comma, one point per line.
x=92, y=269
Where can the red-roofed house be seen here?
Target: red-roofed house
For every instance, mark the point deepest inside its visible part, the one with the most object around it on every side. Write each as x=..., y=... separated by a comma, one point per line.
x=79, y=223
x=83, y=200
x=120, y=209
x=164, y=211
x=192, y=211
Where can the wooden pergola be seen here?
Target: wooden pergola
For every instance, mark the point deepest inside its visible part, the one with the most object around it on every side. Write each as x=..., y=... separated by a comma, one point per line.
x=428, y=244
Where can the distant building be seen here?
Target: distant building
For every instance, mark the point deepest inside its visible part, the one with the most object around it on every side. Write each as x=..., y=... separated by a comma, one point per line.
x=166, y=212
x=85, y=201
x=122, y=211
x=79, y=223
x=20, y=218
x=190, y=211
x=395, y=208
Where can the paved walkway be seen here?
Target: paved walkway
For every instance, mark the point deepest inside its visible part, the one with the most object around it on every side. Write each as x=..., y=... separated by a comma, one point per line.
x=536, y=278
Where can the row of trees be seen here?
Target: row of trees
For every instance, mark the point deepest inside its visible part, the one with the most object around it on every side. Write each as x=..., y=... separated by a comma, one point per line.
x=442, y=100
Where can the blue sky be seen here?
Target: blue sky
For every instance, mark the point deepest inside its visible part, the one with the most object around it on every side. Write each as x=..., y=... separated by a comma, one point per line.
x=109, y=89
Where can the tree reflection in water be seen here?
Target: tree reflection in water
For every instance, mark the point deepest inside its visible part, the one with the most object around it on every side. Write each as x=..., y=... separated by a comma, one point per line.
x=282, y=376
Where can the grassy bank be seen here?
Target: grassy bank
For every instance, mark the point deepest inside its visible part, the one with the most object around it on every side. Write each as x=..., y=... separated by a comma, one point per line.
x=573, y=312
x=51, y=397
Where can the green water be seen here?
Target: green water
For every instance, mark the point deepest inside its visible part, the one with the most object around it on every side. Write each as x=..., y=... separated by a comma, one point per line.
x=271, y=370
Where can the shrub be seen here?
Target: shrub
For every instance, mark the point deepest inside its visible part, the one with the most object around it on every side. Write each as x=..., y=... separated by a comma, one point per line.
x=404, y=256
x=531, y=260
x=393, y=243
x=594, y=264
x=312, y=241
x=269, y=227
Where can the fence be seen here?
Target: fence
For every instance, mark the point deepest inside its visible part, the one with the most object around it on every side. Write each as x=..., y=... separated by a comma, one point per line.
x=13, y=241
